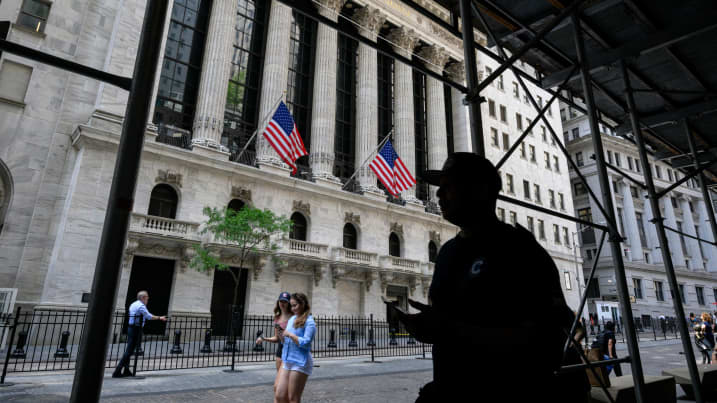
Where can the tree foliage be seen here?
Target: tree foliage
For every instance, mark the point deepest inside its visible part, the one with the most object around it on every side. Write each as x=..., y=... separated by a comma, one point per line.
x=250, y=231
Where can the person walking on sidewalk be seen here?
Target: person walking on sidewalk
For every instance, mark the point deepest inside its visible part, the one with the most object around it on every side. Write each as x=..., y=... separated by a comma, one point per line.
x=138, y=314
x=708, y=332
x=297, y=363
x=282, y=314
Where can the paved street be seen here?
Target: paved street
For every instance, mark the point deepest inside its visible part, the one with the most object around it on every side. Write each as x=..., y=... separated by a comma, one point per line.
x=350, y=381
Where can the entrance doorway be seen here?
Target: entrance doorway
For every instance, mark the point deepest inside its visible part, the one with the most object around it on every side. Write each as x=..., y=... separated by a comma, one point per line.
x=399, y=297
x=154, y=276
x=222, y=297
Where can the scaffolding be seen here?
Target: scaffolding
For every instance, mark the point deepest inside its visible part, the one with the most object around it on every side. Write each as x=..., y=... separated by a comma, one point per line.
x=594, y=50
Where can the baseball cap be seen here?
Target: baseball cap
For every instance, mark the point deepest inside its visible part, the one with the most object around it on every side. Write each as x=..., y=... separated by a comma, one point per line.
x=284, y=296
x=466, y=167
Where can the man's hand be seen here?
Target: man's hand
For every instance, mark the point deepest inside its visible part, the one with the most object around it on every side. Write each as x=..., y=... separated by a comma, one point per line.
x=163, y=318
x=422, y=326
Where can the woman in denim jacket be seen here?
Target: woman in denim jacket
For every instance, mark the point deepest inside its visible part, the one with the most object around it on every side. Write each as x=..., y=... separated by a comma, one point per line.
x=297, y=362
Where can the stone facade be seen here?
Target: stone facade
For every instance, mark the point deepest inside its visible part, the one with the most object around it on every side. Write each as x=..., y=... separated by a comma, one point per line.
x=695, y=265
x=60, y=145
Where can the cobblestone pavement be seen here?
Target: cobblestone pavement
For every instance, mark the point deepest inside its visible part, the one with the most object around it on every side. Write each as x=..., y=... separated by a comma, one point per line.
x=349, y=381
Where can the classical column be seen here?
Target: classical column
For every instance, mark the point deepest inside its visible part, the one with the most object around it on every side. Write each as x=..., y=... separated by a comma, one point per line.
x=688, y=227
x=275, y=76
x=632, y=232
x=370, y=21
x=323, y=110
x=436, y=57
x=678, y=256
x=709, y=251
x=404, y=129
x=212, y=97
x=461, y=126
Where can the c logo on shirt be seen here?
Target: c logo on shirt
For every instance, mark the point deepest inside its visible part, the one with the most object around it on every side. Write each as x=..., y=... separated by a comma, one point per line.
x=477, y=266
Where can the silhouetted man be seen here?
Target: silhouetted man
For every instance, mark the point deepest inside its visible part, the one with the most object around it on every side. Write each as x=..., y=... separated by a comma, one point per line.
x=497, y=311
x=138, y=315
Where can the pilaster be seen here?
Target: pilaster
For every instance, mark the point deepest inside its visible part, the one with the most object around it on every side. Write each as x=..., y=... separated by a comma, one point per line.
x=461, y=126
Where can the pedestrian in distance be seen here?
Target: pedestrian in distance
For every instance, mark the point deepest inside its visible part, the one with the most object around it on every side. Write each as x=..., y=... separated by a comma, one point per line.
x=282, y=314
x=138, y=316
x=478, y=274
x=701, y=344
x=708, y=332
x=606, y=345
x=297, y=362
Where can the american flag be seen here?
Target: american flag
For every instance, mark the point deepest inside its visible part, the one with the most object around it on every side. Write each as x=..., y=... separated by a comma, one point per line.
x=282, y=134
x=391, y=171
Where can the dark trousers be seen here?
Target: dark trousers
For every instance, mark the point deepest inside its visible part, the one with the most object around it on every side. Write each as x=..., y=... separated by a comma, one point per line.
x=134, y=337
x=616, y=368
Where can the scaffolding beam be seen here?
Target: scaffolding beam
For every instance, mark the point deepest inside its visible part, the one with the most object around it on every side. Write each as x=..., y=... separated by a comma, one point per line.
x=614, y=238
x=662, y=236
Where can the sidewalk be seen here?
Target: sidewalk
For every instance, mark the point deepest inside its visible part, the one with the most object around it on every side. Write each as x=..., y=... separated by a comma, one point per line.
x=255, y=381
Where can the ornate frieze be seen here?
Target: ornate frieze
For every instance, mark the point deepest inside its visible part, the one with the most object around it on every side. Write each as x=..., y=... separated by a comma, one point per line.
x=446, y=36
x=304, y=208
x=397, y=228
x=405, y=39
x=169, y=176
x=241, y=193
x=352, y=218
x=370, y=19
x=330, y=8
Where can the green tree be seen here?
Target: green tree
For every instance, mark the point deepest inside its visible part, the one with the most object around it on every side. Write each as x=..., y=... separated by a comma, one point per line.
x=250, y=230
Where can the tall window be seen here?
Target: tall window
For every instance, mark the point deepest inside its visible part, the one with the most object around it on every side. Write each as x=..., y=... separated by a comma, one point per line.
x=659, y=292
x=33, y=14
x=298, y=227
x=345, y=108
x=385, y=96
x=163, y=202
x=432, y=251
x=531, y=227
x=588, y=234
x=556, y=234
x=350, y=237
x=181, y=68
x=682, y=239
x=503, y=114
x=419, y=105
x=700, y=295
x=301, y=74
x=240, y=114
x=541, y=229
x=579, y=159
x=526, y=189
x=394, y=245
x=683, y=296
x=637, y=287
x=641, y=229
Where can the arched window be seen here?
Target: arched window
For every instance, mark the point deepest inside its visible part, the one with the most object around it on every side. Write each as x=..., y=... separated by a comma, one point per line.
x=350, y=237
x=394, y=245
x=432, y=251
x=236, y=204
x=298, y=229
x=163, y=202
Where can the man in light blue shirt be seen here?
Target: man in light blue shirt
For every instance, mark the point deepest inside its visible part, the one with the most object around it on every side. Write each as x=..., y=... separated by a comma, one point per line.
x=138, y=315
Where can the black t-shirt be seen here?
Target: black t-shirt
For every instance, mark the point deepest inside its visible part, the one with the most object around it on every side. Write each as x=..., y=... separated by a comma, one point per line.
x=500, y=281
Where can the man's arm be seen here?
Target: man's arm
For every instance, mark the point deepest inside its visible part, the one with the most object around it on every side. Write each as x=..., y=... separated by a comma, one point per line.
x=148, y=316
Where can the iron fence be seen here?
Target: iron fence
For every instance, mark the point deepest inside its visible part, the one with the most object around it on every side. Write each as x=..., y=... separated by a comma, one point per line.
x=49, y=341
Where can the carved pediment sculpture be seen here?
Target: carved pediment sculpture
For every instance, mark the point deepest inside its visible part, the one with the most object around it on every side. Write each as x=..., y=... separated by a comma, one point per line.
x=353, y=218
x=241, y=193
x=304, y=208
x=397, y=228
x=169, y=176
x=435, y=236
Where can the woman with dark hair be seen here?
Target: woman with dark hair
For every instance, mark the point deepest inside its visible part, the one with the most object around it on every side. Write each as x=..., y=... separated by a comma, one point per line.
x=296, y=356
x=282, y=314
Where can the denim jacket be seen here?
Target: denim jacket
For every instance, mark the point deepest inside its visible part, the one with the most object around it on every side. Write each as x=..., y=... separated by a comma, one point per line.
x=299, y=354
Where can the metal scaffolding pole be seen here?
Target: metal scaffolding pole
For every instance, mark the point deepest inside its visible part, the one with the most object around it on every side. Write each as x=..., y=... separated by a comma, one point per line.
x=703, y=182
x=475, y=121
x=615, y=238
x=90, y=370
x=662, y=236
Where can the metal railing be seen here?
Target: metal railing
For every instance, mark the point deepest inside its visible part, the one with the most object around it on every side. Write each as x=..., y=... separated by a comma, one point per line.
x=173, y=136
x=49, y=341
x=248, y=157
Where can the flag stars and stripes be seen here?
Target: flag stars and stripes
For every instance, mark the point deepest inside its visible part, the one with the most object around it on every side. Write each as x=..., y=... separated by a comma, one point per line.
x=391, y=171
x=284, y=137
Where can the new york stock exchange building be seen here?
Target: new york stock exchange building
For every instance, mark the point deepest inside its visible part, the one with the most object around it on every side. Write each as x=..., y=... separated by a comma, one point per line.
x=226, y=64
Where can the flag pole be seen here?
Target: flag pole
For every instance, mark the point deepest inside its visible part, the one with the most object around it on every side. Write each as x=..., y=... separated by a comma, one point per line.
x=261, y=125
x=385, y=139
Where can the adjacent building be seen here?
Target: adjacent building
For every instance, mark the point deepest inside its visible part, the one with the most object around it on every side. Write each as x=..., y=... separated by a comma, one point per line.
x=225, y=66
x=683, y=209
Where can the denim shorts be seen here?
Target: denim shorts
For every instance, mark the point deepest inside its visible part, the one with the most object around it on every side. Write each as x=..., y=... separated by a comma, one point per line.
x=305, y=369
